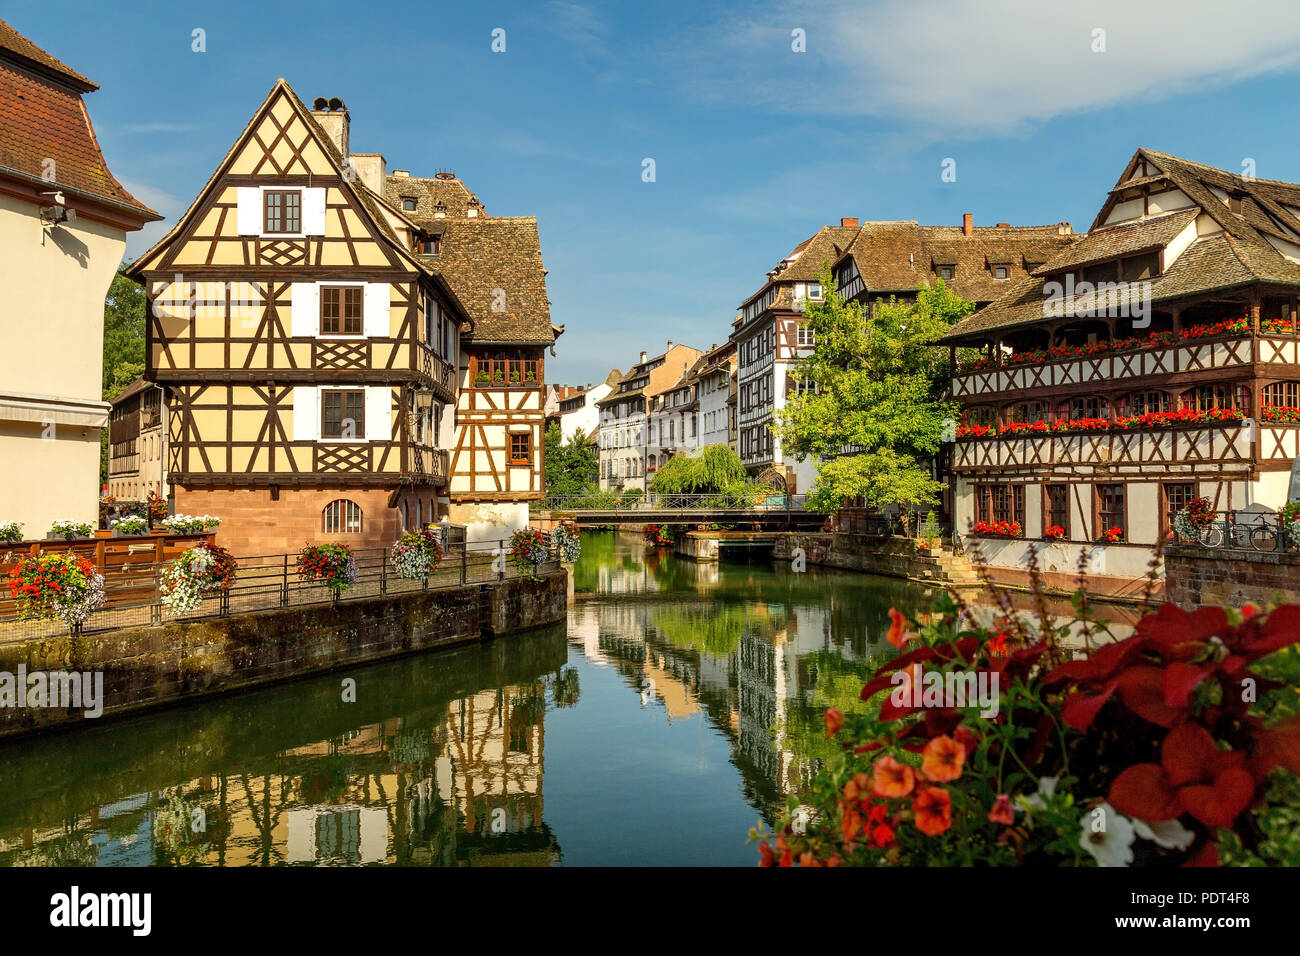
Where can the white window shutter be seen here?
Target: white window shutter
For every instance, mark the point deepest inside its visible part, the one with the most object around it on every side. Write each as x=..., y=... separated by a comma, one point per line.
x=379, y=413
x=313, y=211
x=376, y=310
x=305, y=320
x=306, y=413
x=249, y=212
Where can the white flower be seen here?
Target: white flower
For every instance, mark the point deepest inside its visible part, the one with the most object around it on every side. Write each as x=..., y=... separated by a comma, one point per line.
x=1169, y=834
x=1038, y=801
x=1111, y=844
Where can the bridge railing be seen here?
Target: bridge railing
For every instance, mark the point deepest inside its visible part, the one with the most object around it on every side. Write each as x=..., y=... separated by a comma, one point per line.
x=611, y=501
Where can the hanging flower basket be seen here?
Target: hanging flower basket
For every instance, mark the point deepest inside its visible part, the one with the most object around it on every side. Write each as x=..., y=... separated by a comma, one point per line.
x=64, y=586
x=527, y=552
x=329, y=564
x=566, y=541
x=202, y=570
x=416, y=554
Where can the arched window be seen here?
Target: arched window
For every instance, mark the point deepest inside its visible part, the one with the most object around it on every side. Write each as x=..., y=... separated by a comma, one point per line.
x=341, y=517
x=1205, y=397
x=981, y=415
x=1282, y=394
x=1143, y=403
x=406, y=519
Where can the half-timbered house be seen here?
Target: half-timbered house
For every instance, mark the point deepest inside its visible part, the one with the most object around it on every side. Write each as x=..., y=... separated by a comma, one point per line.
x=494, y=266
x=1153, y=361
x=137, y=440
x=308, y=351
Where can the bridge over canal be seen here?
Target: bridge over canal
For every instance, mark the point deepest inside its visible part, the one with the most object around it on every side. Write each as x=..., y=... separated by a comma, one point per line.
x=771, y=513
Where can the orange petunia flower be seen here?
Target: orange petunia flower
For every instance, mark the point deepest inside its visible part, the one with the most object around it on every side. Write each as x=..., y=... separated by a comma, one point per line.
x=834, y=718
x=892, y=779
x=857, y=788
x=896, y=635
x=942, y=759
x=933, y=809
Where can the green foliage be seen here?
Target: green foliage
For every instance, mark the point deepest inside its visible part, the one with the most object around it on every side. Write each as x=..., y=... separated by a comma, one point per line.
x=569, y=467
x=716, y=468
x=930, y=530
x=879, y=386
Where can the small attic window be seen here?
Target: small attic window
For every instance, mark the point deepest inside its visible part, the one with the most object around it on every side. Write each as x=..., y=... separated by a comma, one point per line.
x=439, y=209
x=431, y=246
x=409, y=203
x=1001, y=272
x=1234, y=202
x=945, y=271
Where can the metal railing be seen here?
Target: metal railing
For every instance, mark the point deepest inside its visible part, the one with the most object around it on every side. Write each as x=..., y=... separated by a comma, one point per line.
x=1236, y=530
x=268, y=582
x=613, y=501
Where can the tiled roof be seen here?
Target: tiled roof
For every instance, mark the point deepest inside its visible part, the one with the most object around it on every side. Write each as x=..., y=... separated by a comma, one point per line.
x=1234, y=254
x=897, y=257
x=1110, y=242
x=804, y=262
x=481, y=255
x=428, y=192
x=23, y=50
x=44, y=122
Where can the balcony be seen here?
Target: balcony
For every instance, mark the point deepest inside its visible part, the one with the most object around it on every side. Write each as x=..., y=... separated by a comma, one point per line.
x=1104, y=368
x=1210, y=446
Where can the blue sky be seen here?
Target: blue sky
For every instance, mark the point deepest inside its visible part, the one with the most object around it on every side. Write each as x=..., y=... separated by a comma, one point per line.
x=755, y=145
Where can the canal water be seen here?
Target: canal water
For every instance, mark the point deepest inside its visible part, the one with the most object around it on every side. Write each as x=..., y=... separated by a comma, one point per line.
x=679, y=705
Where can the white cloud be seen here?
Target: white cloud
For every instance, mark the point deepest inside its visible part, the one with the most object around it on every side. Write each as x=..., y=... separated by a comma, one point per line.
x=990, y=67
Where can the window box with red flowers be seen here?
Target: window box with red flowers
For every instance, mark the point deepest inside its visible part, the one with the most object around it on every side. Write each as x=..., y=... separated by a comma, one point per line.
x=1113, y=535
x=1279, y=413
x=998, y=529
x=1054, y=532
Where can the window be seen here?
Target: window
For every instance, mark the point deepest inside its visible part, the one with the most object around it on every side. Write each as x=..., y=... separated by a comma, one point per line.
x=1089, y=406
x=519, y=448
x=431, y=246
x=1001, y=272
x=282, y=211
x=1286, y=394
x=343, y=413
x=1028, y=412
x=1000, y=503
x=1141, y=267
x=1177, y=496
x=1056, y=507
x=409, y=203
x=814, y=290
x=341, y=517
x=1102, y=272
x=1142, y=403
x=945, y=271
x=807, y=336
x=340, y=310
x=1206, y=397
x=1110, y=508
x=981, y=415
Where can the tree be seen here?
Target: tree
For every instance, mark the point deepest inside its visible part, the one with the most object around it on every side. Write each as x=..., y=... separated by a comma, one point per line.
x=879, y=386
x=713, y=470
x=569, y=468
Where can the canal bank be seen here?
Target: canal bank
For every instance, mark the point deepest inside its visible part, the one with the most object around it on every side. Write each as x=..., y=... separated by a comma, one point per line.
x=155, y=666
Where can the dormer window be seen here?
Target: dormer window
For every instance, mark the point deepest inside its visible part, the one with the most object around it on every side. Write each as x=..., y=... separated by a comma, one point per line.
x=814, y=290
x=945, y=271
x=431, y=246
x=409, y=203
x=1002, y=272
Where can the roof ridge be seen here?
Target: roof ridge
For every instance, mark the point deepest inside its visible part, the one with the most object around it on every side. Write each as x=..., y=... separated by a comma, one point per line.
x=44, y=59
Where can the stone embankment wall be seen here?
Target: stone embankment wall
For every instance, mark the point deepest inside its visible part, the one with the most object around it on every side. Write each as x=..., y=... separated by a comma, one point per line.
x=1195, y=576
x=146, y=667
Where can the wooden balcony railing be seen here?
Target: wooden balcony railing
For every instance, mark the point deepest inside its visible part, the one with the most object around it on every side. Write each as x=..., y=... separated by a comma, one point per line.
x=1106, y=368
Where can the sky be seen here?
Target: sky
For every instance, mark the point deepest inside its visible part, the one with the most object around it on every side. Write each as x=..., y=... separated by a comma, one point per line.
x=764, y=120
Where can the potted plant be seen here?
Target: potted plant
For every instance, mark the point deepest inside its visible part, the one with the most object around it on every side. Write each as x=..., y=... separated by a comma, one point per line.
x=1113, y=535
x=527, y=552
x=155, y=508
x=130, y=526
x=499, y=375
x=1054, y=532
x=530, y=376
x=514, y=376
x=481, y=376
x=566, y=541
x=69, y=530
x=1289, y=514
x=11, y=531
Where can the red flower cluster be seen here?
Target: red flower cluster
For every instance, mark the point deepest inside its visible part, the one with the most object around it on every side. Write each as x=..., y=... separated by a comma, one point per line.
x=1185, y=672
x=998, y=529
x=1271, y=413
x=975, y=431
x=1113, y=534
x=657, y=535
x=1054, y=531
x=1184, y=416
x=1278, y=326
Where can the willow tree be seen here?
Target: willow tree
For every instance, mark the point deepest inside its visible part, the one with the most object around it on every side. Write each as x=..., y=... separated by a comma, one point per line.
x=879, y=387
x=714, y=470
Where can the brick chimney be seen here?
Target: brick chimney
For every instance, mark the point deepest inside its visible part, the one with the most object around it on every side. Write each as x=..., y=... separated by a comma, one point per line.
x=849, y=222
x=1004, y=225
x=968, y=224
